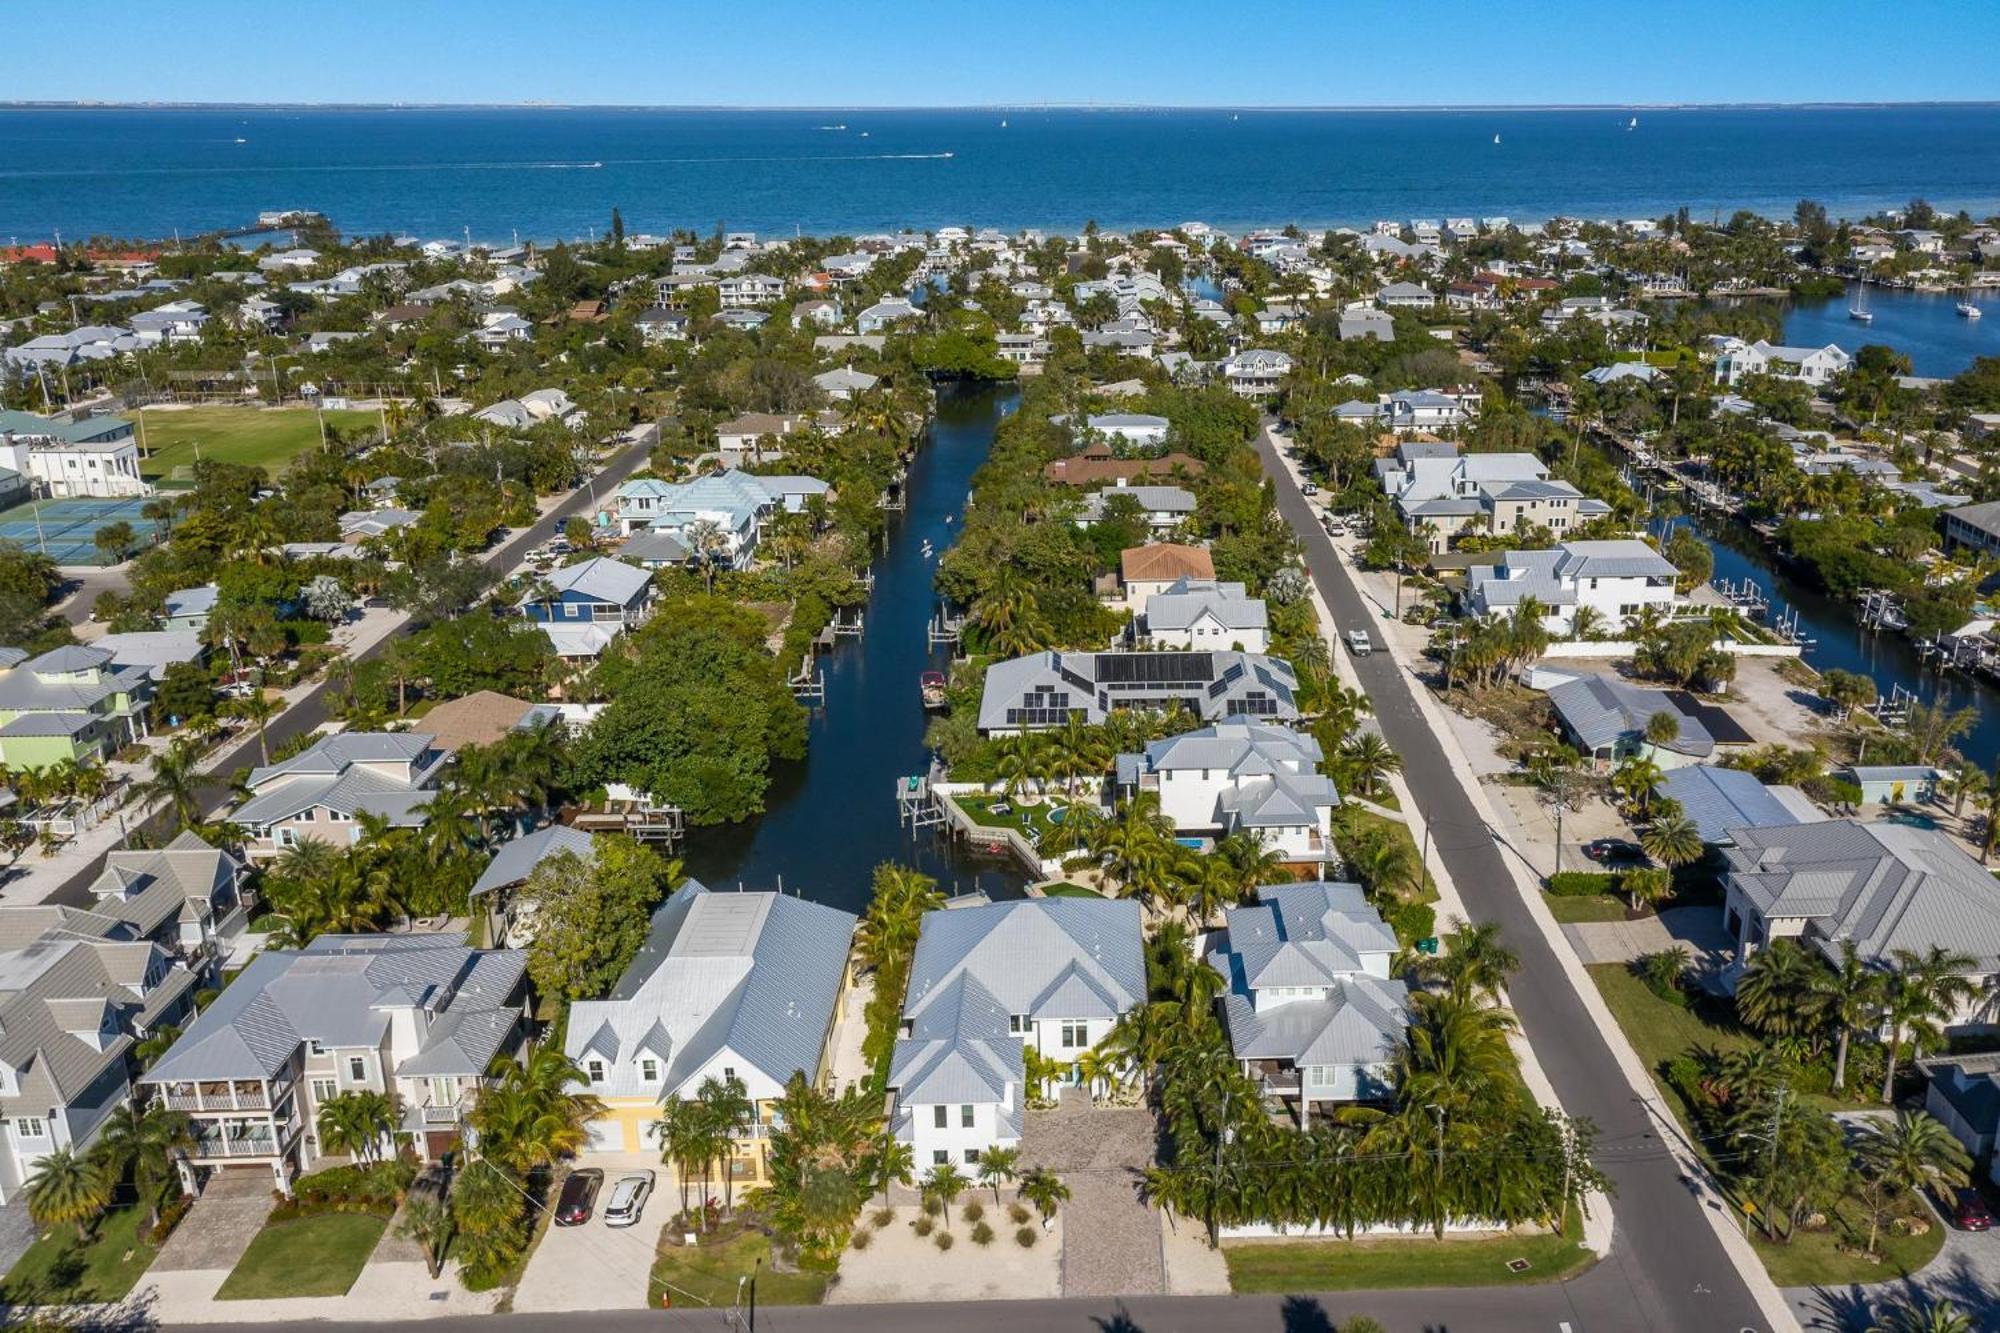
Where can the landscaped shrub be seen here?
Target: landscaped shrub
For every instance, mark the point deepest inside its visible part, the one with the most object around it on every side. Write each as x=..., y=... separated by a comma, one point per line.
x=973, y=1210
x=1413, y=922
x=883, y=1216
x=932, y=1206
x=859, y=1240
x=1017, y=1213
x=1584, y=883
x=1025, y=1238
x=354, y=1188
x=943, y=1240
x=982, y=1234
x=171, y=1214
x=923, y=1226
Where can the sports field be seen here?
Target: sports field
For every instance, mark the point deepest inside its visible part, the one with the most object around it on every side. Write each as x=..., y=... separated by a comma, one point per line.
x=253, y=436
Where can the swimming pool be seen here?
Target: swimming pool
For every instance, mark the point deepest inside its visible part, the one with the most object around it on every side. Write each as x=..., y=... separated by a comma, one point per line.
x=1910, y=818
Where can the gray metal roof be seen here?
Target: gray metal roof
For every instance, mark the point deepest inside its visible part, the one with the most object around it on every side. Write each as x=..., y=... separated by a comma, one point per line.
x=1188, y=600
x=1215, y=686
x=602, y=579
x=1721, y=799
x=1602, y=711
x=1018, y=950
x=517, y=858
x=752, y=974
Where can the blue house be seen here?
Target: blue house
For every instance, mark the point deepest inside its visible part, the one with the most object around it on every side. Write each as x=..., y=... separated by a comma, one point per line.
x=595, y=591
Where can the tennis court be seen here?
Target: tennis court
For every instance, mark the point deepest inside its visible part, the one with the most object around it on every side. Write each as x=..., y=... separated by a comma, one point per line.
x=66, y=530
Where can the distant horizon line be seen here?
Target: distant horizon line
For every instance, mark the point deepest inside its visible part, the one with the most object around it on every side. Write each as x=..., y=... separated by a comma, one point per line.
x=91, y=104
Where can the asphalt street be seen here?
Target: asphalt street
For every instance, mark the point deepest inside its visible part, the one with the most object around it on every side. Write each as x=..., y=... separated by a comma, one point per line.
x=1667, y=1270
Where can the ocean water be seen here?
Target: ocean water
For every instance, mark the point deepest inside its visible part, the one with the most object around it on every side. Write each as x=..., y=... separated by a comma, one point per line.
x=1924, y=326
x=547, y=173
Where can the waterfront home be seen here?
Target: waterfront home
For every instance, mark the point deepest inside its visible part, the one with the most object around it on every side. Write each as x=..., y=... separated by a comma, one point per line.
x=71, y=705
x=512, y=864
x=988, y=981
x=73, y=1002
x=319, y=792
x=1605, y=719
x=1973, y=527
x=884, y=315
x=1139, y=429
x=1719, y=800
x=420, y=1018
x=484, y=717
x=1884, y=887
x=1311, y=1009
x=1164, y=508
x=1256, y=373
x=729, y=985
x=95, y=458
x=1442, y=493
x=1637, y=372
x=1096, y=465
x=1816, y=366
x=1023, y=349
x=1240, y=777
x=1357, y=325
x=1895, y=784
x=1203, y=613
x=1146, y=571
x=845, y=383
x=1613, y=580
x=582, y=607
x=752, y=437
x=735, y=503
x=1047, y=689
x=189, y=608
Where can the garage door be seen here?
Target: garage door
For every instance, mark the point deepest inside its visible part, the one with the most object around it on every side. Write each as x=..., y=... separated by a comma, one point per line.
x=607, y=1136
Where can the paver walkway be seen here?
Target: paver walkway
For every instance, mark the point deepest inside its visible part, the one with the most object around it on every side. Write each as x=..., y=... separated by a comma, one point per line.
x=1111, y=1238
x=219, y=1226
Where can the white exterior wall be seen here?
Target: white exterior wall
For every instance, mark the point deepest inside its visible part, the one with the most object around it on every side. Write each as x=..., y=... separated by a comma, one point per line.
x=955, y=1139
x=1209, y=633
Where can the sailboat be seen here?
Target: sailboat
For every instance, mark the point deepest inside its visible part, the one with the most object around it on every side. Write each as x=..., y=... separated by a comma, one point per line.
x=1967, y=310
x=1859, y=311
x=1632, y=124
x=1003, y=124
x=1496, y=138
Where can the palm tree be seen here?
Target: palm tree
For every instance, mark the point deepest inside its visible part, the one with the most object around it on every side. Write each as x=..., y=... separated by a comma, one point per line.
x=1248, y=863
x=894, y=1161
x=66, y=1187
x=175, y=781
x=1924, y=990
x=1912, y=1314
x=1849, y=996
x=998, y=1165
x=529, y=1117
x=1044, y=1191
x=1661, y=728
x=1473, y=964
x=258, y=709
x=141, y=1138
x=1368, y=759
x=1646, y=885
x=1456, y=1056
x=427, y=1221
x=1912, y=1152
x=355, y=1123
x=945, y=1183
x=729, y=1112
x=1673, y=839
x=1778, y=994
x=1635, y=780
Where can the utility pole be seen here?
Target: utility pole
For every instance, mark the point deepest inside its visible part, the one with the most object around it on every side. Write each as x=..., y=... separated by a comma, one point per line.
x=1440, y=1169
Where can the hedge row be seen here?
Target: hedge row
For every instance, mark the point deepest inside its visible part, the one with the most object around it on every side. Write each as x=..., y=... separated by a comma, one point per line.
x=1584, y=883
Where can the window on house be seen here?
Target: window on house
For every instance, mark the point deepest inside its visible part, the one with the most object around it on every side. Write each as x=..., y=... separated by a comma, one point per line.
x=596, y=1071
x=965, y=1117
x=324, y=1090
x=30, y=1127
x=972, y=1157
x=649, y=1070
x=728, y=1073
x=1075, y=1036
x=939, y=1117
x=314, y=1048
x=357, y=1068
x=939, y=1157
x=1017, y=1023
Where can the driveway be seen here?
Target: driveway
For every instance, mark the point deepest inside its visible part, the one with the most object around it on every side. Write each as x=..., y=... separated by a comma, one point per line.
x=1966, y=1272
x=220, y=1225
x=1698, y=929
x=1111, y=1239
x=593, y=1266
x=17, y=1232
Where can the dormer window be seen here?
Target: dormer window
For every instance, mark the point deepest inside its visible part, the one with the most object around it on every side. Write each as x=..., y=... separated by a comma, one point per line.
x=595, y=1069
x=649, y=1070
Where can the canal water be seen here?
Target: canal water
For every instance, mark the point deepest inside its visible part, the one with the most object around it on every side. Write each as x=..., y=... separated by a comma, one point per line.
x=1925, y=326
x=831, y=818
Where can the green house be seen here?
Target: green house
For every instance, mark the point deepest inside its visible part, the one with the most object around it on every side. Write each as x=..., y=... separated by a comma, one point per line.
x=71, y=703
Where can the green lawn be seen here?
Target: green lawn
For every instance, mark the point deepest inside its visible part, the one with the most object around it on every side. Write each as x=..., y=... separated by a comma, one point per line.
x=308, y=1256
x=1069, y=891
x=694, y=1275
x=60, y=1269
x=1026, y=819
x=253, y=436
x=1585, y=906
x=1834, y=1257
x=1388, y=1262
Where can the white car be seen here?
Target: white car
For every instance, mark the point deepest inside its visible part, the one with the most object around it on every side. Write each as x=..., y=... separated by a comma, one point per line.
x=628, y=1199
x=1359, y=643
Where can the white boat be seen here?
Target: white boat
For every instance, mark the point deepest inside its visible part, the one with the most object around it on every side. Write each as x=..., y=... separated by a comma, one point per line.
x=1003, y=124
x=243, y=141
x=1967, y=310
x=1496, y=138
x=1859, y=311
x=1632, y=124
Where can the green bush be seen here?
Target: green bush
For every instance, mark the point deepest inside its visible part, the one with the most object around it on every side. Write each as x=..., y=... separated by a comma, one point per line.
x=973, y=1210
x=923, y=1225
x=982, y=1234
x=1413, y=922
x=1584, y=883
x=943, y=1240
x=1017, y=1213
x=171, y=1213
x=1025, y=1238
x=353, y=1188
x=859, y=1240
x=883, y=1217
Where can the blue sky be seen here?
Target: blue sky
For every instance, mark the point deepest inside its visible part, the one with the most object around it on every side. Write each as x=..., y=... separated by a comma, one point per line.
x=955, y=53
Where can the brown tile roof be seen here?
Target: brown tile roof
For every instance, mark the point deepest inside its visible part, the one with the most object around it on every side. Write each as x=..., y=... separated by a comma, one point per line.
x=476, y=719
x=1166, y=561
x=1087, y=471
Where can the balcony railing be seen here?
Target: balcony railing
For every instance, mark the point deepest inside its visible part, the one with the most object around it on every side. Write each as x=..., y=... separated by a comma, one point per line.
x=239, y=1096
x=249, y=1145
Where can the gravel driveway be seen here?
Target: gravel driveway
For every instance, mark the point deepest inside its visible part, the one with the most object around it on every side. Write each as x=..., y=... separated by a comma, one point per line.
x=1111, y=1240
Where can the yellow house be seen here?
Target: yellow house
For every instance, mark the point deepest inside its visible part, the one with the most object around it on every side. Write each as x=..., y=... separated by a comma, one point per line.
x=738, y=986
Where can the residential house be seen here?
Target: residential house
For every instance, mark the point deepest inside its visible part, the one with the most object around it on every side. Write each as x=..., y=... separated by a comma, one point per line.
x=884, y=315
x=1816, y=366
x=71, y=705
x=419, y=1018
x=741, y=986
x=360, y=524
x=1614, y=581
x=188, y=897
x=752, y=437
x=1096, y=465
x=513, y=862
x=1882, y=887
x=1241, y=777
x=1436, y=489
x=988, y=981
x=1203, y=613
x=1138, y=429
x=1719, y=800
x=845, y=383
x=1311, y=1009
x=1606, y=720
x=173, y=322
x=582, y=607
x=321, y=792
x=1256, y=373
x=819, y=314
x=530, y=409
x=1046, y=689
x=1963, y=1094
x=189, y=608
x=1163, y=507
x=484, y=717
x=1406, y=296
x=742, y=291
x=1023, y=349
x=95, y=458
x=1895, y=784
x=657, y=324
x=1145, y=571
x=1974, y=527
x=1356, y=325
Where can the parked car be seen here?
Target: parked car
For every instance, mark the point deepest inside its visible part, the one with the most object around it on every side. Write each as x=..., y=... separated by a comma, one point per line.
x=1969, y=1211
x=1309, y=488
x=1615, y=851
x=1335, y=527
x=628, y=1199
x=578, y=1197
x=1359, y=643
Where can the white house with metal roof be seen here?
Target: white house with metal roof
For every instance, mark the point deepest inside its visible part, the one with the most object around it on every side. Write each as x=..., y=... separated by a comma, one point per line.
x=321, y=792
x=741, y=985
x=1817, y=366
x=1046, y=689
x=1439, y=491
x=987, y=981
x=1605, y=718
x=1256, y=372
x=1164, y=508
x=418, y=1017
x=1247, y=777
x=1615, y=580
x=1204, y=613
x=1310, y=1006
x=96, y=458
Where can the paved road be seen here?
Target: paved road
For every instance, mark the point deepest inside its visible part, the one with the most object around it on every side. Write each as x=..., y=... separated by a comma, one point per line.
x=311, y=710
x=1667, y=1270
